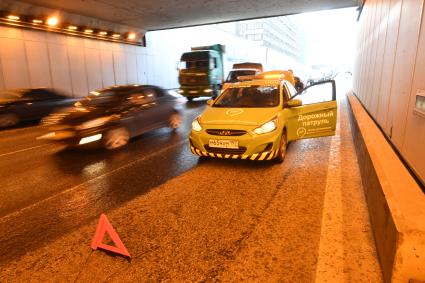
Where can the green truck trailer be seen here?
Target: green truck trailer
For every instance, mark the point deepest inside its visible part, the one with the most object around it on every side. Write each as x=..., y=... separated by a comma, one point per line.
x=201, y=71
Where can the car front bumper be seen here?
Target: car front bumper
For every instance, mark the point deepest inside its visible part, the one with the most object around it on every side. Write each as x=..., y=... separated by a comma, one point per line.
x=74, y=137
x=251, y=146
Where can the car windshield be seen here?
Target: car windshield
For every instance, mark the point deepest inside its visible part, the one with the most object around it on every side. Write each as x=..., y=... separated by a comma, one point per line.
x=250, y=96
x=102, y=98
x=233, y=75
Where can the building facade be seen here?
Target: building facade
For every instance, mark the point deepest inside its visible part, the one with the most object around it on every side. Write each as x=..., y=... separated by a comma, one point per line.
x=281, y=34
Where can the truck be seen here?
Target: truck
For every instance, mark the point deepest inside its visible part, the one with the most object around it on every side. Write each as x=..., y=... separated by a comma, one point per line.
x=201, y=71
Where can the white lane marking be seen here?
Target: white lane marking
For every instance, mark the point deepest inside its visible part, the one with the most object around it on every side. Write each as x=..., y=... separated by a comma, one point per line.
x=330, y=260
x=6, y=217
x=22, y=150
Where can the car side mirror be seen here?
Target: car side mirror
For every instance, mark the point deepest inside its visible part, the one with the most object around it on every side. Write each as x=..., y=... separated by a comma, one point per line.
x=210, y=102
x=294, y=103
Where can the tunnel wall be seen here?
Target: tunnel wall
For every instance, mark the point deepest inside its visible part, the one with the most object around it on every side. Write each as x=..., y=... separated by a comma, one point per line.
x=390, y=71
x=76, y=65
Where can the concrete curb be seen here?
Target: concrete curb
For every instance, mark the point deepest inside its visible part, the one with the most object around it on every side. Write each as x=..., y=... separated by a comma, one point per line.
x=395, y=201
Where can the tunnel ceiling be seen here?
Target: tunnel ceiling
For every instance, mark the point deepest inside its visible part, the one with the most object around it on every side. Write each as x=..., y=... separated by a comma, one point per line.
x=163, y=14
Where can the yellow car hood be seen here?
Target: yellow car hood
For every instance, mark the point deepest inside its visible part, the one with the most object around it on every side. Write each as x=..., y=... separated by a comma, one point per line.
x=238, y=116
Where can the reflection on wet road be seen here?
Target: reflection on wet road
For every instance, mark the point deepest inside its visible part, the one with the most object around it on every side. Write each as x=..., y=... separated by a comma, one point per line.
x=48, y=190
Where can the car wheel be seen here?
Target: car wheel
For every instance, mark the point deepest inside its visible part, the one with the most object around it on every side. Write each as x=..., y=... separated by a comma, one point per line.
x=8, y=120
x=116, y=138
x=175, y=121
x=282, y=147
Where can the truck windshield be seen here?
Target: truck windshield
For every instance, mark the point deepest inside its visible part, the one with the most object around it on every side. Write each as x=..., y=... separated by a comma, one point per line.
x=198, y=64
x=254, y=96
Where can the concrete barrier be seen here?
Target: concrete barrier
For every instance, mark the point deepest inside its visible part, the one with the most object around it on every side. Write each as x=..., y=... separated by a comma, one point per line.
x=396, y=202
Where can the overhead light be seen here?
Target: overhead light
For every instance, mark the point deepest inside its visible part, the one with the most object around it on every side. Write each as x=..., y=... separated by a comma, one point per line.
x=131, y=36
x=72, y=27
x=116, y=35
x=13, y=17
x=52, y=21
x=88, y=31
x=103, y=33
x=36, y=21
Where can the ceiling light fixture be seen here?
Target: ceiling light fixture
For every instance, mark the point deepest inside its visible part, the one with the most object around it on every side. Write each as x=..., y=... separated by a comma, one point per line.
x=56, y=24
x=52, y=21
x=13, y=17
x=131, y=36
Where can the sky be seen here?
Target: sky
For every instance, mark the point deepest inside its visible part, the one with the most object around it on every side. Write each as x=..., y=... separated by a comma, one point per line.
x=330, y=36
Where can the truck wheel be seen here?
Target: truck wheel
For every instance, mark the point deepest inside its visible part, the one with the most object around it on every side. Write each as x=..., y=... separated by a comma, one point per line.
x=217, y=91
x=282, y=148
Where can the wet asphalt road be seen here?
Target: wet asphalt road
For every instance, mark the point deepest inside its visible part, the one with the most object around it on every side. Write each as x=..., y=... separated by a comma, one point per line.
x=47, y=190
x=182, y=220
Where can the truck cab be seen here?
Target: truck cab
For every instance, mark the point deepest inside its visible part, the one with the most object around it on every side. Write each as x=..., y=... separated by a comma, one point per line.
x=201, y=71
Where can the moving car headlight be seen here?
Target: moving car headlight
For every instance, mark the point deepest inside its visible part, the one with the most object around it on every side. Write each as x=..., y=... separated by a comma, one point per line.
x=196, y=126
x=94, y=123
x=268, y=127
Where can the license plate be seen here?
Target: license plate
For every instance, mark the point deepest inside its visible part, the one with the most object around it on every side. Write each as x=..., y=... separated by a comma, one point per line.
x=224, y=144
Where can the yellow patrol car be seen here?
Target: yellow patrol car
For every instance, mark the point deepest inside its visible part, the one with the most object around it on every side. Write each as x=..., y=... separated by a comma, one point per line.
x=255, y=119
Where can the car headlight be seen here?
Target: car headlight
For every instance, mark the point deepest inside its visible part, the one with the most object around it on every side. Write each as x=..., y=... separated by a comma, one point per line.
x=93, y=123
x=268, y=127
x=196, y=126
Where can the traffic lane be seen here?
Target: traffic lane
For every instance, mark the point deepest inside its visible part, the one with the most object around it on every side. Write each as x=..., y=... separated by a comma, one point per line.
x=197, y=225
x=20, y=139
x=44, y=221
x=30, y=176
x=88, y=183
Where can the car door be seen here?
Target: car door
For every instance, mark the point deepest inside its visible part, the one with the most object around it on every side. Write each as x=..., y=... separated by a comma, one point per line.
x=165, y=105
x=145, y=111
x=313, y=112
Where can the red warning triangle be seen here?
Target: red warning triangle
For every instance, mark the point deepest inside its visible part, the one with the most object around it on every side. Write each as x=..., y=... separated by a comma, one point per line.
x=105, y=226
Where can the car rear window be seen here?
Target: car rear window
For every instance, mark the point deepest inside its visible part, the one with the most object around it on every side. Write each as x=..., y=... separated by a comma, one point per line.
x=233, y=75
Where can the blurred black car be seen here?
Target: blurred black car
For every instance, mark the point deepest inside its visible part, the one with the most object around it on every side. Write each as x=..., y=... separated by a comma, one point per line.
x=30, y=104
x=110, y=117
